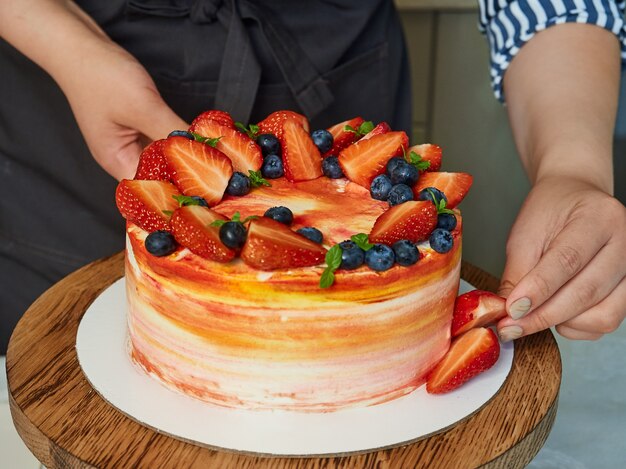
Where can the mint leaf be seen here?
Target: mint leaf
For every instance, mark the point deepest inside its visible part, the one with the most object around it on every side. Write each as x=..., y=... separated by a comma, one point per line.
x=212, y=142
x=252, y=130
x=217, y=223
x=362, y=241
x=441, y=206
x=236, y=217
x=417, y=161
x=256, y=179
x=251, y=217
x=365, y=128
x=333, y=261
x=184, y=200
x=327, y=278
x=167, y=212
x=349, y=128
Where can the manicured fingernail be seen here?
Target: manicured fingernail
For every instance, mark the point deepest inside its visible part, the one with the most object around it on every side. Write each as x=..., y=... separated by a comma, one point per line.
x=520, y=308
x=509, y=333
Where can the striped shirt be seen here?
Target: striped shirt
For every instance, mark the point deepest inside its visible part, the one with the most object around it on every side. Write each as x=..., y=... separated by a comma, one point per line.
x=508, y=25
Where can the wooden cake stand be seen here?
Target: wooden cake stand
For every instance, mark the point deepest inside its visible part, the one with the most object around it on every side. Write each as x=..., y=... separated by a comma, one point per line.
x=65, y=423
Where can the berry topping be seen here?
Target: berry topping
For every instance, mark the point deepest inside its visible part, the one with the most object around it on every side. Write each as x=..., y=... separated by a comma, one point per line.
x=233, y=234
x=343, y=138
x=273, y=124
x=160, y=243
x=406, y=252
x=393, y=162
x=269, y=144
x=147, y=204
x=381, y=257
x=352, y=256
x=469, y=355
x=399, y=194
x=181, y=133
x=413, y=220
x=239, y=148
x=433, y=194
x=311, y=233
x=430, y=153
x=192, y=226
x=200, y=201
x=272, y=167
x=238, y=185
x=322, y=139
x=476, y=308
x=441, y=240
x=366, y=159
x=446, y=221
x=152, y=163
x=272, y=245
x=197, y=168
x=380, y=187
x=454, y=185
x=331, y=168
x=404, y=173
x=301, y=157
x=380, y=129
x=280, y=214
x=221, y=117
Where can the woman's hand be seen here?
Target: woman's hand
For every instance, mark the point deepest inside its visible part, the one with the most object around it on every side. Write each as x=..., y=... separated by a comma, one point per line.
x=566, y=262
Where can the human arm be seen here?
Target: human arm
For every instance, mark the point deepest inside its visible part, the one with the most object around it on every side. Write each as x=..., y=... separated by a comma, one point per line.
x=114, y=99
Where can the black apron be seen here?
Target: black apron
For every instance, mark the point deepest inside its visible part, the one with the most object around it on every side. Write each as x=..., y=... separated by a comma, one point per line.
x=330, y=60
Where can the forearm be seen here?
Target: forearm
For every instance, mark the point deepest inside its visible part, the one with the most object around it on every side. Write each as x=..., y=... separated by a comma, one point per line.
x=562, y=92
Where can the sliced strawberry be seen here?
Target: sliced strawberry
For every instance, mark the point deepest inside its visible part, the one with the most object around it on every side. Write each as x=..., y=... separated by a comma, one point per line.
x=364, y=160
x=301, y=158
x=343, y=138
x=476, y=308
x=221, y=117
x=191, y=227
x=273, y=124
x=272, y=245
x=413, y=220
x=152, y=163
x=429, y=152
x=148, y=204
x=197, y=169
x=241, y=149
x=380, y=129
x=469, y=355
x=455, y=186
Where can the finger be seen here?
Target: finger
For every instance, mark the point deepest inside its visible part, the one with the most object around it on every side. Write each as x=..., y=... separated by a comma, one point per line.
x=566, y=255
x=575, y=334
x=158, y=119
x=523, y=251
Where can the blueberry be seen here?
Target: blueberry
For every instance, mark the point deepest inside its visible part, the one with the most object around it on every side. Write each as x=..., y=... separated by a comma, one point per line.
x=446, y=221
x=352, y=256
x=201, y=201
x=380, y=187
x=270, y=145
x=441, y=240
x=239, y=184
x=380, y=257
x=425, y=194
x=280, y=214
x=399, y=194
x=272, y=167
x=233, y=234
x=331, y=168
x=322, y=139
x=160, y=243
x=181, y=133
x=311, y=233
x=393, y=162
x=406, y=252
x=404, y=173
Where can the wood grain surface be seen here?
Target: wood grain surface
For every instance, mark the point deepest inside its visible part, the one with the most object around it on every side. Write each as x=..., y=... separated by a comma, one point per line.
x=66, y=424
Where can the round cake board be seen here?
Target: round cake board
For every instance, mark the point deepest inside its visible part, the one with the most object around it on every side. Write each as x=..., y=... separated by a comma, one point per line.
x=102, y=350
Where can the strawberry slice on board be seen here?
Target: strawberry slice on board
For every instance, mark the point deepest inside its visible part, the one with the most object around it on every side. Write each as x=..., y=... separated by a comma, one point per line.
x=364, y=160
x=221, y=117
x=191, y=227
x=272, y=245
x=147, y=203
x=469, y=355
x=429, y=152
x=274, y=123
x=198, y=169
x=476, y=308
x=301, y=158
x=343, y=138
x=455, y=186
x=413, y=220
x=381, y=128
x=152, y=163
x=243, y=152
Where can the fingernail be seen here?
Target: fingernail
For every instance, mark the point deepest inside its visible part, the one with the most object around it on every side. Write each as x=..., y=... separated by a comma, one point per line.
x=519, y=308
x=509, y=333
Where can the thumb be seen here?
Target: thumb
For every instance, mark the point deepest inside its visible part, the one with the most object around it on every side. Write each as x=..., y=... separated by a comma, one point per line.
x=157, y=119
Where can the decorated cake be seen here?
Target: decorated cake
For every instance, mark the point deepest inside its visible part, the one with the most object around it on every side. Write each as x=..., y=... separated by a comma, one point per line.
x=270, y=267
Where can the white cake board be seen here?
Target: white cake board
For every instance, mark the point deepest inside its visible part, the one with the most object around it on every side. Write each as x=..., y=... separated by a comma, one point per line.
x=101, y=345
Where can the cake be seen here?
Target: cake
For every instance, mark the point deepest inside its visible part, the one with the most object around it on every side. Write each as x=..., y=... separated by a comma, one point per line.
x=277, y=322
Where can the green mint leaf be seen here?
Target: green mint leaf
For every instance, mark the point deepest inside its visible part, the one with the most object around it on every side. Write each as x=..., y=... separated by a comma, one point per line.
x=251, y=217
x=217, y=223
x=417, y=161
x=184, y=200
x=256, y=179
x=333, y=261
x=167, y=212
x=349, y=128
x=362, y=241
x=327, y=278
x=212, y=142
x=365, y=128
x=252, y=130
x=236, y=217
x=445, y=210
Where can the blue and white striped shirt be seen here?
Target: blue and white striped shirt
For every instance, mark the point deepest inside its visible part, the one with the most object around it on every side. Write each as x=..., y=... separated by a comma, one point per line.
x=508, y=25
